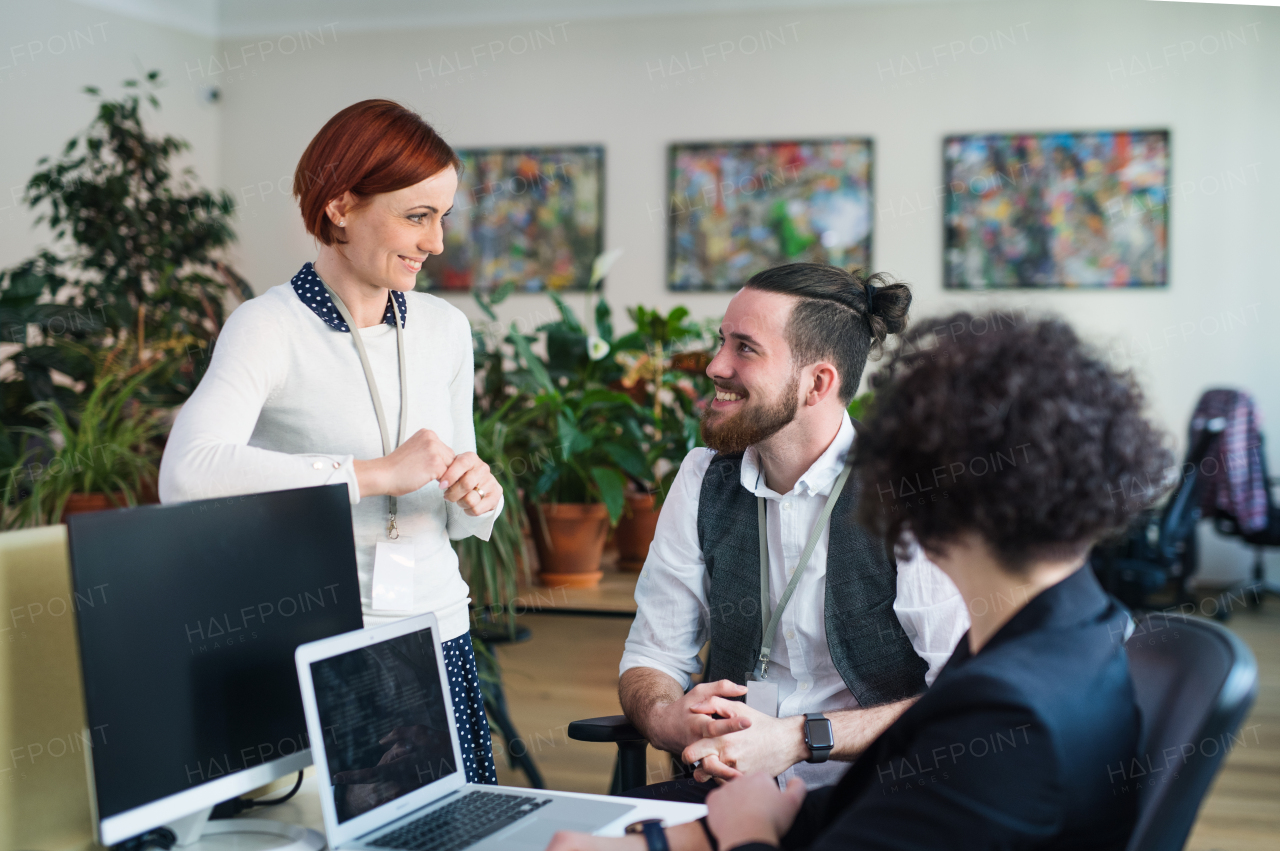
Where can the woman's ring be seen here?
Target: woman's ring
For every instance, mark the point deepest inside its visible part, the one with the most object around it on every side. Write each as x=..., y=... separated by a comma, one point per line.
x=480, y=491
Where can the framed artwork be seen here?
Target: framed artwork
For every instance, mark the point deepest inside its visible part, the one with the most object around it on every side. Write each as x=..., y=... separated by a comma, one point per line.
x=534, y=216
x=1057, y=210
x=735, y=208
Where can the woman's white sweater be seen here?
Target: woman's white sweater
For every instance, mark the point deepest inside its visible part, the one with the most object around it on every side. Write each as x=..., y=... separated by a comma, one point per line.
x=285, y=404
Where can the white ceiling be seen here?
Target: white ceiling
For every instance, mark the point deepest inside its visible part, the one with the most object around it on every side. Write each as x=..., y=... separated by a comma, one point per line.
x=243, y=18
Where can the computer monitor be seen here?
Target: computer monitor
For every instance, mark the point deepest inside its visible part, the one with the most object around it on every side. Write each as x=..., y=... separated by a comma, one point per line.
x=188, y=618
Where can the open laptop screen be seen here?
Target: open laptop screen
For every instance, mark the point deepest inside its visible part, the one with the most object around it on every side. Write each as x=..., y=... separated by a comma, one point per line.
x=384, y=720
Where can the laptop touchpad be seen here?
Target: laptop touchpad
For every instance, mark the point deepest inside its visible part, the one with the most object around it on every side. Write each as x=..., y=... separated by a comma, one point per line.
x=535, y=832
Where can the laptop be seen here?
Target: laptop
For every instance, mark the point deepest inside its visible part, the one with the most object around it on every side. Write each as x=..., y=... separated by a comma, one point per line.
x=388, y=760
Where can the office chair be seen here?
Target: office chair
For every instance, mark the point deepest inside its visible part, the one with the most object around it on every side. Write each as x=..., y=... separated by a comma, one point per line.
x=1194, y=693
x=1160, y=545
x=1268, y=536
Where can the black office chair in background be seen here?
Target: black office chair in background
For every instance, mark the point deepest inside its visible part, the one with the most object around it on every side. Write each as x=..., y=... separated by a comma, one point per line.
x=1257, y=587
x=1159, y=548
x=1194, y=693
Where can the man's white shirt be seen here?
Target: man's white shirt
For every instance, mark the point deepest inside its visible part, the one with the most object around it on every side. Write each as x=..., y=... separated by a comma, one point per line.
x=673, y=616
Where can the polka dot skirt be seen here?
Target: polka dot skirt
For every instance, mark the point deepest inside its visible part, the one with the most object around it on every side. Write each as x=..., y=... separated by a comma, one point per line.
x=468, y=710
x=310, y=289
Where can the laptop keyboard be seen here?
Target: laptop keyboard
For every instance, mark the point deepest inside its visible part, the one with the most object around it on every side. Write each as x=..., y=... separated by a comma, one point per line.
x=461, y=823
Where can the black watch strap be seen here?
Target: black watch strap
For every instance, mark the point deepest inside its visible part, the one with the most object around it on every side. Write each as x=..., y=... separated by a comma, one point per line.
x=818, y=736
x=654, y=836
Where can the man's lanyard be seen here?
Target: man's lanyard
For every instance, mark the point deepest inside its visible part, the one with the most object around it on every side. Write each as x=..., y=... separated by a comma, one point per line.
x=387, y=446
x=770, y=624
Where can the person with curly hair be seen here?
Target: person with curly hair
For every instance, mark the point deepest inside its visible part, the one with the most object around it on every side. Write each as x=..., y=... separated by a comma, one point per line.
x=832, y=639
x=1009, y=748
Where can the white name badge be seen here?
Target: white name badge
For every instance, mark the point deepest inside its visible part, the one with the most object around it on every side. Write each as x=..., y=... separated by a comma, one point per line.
x=393, y=575
x=762, y=696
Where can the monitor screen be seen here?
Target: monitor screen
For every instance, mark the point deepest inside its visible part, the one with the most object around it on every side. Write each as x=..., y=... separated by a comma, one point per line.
x=385, y=723
x=188, y=616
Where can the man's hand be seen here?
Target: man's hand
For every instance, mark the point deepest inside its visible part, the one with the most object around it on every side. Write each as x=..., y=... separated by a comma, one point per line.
x=753, y=809
x=765, y=744
x=674, y=725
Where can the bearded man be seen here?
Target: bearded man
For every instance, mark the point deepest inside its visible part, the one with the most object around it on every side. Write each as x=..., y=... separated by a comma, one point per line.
x=827, y=637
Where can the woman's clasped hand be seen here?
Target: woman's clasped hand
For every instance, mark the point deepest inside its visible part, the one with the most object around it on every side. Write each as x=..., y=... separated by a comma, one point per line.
x=424, y=458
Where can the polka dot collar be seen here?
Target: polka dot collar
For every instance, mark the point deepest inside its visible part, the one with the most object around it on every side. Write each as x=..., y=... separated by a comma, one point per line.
x=311, y=290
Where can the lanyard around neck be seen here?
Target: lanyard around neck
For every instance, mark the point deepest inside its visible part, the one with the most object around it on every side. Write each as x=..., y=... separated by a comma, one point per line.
x=387, y=446
x=770, y=623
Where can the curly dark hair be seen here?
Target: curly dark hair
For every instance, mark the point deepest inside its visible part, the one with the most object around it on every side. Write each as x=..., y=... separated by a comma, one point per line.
x=842, y=316
x=1009, y=427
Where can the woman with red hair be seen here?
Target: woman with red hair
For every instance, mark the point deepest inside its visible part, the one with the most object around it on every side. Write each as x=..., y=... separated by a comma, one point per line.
x=346, y=375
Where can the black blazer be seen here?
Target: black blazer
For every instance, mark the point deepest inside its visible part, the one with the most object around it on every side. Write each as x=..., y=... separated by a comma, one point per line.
x=1019, y=747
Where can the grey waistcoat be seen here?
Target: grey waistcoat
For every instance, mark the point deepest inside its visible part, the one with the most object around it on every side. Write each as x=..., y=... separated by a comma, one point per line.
x=867, y=643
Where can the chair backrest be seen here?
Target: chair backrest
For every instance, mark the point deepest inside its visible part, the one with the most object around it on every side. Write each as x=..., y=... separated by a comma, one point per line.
x=44, y=788
x=1182, y=510
x=1194, y=682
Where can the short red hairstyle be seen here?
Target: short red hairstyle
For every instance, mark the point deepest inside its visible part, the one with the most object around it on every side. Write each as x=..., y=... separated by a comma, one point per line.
x=370, y=147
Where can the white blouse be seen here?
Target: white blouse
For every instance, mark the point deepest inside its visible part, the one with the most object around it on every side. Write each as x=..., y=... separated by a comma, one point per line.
x=285, y=404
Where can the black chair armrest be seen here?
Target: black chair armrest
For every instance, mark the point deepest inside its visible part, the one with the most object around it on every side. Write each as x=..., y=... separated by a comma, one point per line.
x=608, y=728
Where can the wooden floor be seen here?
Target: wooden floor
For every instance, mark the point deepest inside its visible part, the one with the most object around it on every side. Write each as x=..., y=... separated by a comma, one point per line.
x=569, y=670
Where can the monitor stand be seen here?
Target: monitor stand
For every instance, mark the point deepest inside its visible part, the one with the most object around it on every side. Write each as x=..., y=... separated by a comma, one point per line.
x=197, y=833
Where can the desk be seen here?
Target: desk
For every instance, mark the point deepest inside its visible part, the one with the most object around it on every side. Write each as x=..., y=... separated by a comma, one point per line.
x=304, y=809
x=614, y=597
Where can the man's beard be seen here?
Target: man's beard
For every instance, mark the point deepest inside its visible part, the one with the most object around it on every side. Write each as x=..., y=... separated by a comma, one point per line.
x=752, y=424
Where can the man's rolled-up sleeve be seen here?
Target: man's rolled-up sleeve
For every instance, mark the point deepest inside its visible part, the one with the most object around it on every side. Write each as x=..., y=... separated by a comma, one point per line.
x=931, y=611
x=671, y=595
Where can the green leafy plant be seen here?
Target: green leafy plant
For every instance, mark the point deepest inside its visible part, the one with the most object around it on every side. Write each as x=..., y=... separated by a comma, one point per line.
x=666, y=359
x=492, y=568
x=585, y=438
x=860, y=406
x=137, y=255
x=110, y=448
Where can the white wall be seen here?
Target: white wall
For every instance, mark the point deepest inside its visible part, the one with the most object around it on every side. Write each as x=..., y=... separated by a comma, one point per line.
x=1070, y=65
x=49, y=51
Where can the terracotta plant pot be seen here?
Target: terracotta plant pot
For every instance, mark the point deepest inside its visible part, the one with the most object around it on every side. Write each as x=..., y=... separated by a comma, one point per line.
x=83, y=503
x=570, y=544
x=635, y=531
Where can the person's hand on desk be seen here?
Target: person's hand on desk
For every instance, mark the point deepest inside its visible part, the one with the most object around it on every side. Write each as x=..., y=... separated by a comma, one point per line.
x=753, y=809
x=749, y=809
x=760, y=743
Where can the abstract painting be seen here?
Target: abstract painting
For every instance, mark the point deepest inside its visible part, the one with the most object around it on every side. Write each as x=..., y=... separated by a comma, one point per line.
x=532, y=216
x=736, y=208
x=1069, y=210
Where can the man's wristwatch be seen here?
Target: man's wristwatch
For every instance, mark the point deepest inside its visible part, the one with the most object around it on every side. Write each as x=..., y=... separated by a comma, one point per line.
x=818, y=736
x=654, y=836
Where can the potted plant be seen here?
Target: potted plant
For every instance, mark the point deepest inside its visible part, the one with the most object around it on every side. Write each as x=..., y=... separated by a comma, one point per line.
x=584, y=442
x=104, y=457
x=665, y=359
x=135, y=269
x=492, y=568
x=138, y=253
